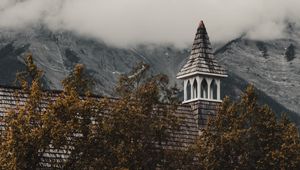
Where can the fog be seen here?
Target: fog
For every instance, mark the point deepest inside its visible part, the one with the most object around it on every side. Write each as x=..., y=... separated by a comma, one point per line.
x=130, y=22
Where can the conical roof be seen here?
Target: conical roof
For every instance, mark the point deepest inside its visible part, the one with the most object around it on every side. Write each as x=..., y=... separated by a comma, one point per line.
x=201, y=60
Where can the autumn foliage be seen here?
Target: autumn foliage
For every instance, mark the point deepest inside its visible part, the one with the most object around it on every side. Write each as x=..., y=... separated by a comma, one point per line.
x=130, y=132
x=23, y=140
x=92, y=132
x=245, y=135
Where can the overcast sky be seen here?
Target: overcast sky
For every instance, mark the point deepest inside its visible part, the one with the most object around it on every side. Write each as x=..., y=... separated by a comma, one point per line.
x=129, y=22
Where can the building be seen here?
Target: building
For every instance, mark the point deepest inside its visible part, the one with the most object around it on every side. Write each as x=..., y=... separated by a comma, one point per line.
x=201, y=77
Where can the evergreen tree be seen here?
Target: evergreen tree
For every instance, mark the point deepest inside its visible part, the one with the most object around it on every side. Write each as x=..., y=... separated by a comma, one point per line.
x=244, y=135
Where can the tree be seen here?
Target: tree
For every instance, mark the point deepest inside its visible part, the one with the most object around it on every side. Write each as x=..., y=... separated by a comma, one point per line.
x=44, y=122
x=23, y=140
x=123, y=133
x=244, y=135
x=75, y=122
x=139, y=123
x=74, y=129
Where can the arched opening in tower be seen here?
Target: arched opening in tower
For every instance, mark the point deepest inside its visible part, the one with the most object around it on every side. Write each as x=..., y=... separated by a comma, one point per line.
x=204, y=89
x=195, y=89
x=213, y=90
x=188, y=91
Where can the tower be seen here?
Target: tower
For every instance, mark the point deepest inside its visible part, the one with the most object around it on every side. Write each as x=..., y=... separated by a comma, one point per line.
x=201, y=77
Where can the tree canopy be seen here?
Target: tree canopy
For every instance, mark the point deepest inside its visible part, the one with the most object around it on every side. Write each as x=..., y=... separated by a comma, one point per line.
x=245, y=135
x=91, y=131
x=140, y=123
x=23, y=140
x=74, y=129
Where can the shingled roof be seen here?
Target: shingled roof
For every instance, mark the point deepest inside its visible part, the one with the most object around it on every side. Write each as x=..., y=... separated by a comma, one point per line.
x=201, y=59
x=54, y=158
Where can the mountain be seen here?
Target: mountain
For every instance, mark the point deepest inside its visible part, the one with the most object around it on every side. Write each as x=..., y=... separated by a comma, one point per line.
x=57, y=53
x=272, y=66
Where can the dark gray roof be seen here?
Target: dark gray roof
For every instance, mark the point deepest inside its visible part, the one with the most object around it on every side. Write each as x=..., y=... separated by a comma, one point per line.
x=201, y=59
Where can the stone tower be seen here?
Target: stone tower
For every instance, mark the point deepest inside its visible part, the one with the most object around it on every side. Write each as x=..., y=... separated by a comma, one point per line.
x=202, y=76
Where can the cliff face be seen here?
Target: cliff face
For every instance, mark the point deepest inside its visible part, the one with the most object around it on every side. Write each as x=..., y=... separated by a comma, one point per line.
x=272, y=66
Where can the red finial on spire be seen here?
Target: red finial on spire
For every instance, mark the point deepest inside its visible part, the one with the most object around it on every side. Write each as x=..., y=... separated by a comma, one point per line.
x=201, y=25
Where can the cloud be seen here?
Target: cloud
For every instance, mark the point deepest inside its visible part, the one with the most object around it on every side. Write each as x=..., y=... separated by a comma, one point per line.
x=266, y=31
x=130, y=22
x=16, y=14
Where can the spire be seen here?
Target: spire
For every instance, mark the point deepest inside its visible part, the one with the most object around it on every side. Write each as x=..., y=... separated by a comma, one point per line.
x=201, y=24
x=201, y=59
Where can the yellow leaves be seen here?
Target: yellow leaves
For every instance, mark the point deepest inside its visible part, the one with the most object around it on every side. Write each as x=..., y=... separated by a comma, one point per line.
x=137, y=121
x=244, y=134
x=127, y=133
x=22, y=137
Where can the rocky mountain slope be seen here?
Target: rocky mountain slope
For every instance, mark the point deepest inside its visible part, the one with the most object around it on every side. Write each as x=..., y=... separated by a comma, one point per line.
x=56, y=54
x=272, y=66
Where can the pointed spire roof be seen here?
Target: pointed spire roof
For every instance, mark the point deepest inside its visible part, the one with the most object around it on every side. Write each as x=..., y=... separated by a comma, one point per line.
x=201, y=60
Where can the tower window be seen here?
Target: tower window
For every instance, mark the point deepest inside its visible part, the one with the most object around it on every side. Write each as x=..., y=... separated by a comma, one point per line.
x=204, y=89
x=195, y=89
x=188, y=91
x=213, y=89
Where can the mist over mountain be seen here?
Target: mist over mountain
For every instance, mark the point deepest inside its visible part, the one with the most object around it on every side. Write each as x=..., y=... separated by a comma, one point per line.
x=132, y=22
